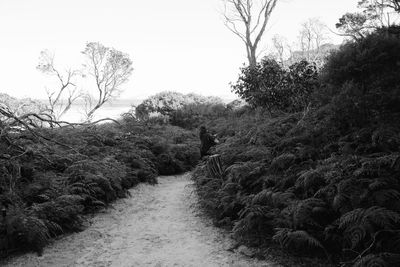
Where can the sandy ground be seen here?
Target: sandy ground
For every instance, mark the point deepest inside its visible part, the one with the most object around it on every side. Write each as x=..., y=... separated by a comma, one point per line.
x=157, y=226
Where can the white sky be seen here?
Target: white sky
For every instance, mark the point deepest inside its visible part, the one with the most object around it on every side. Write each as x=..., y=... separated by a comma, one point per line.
x=179, y=45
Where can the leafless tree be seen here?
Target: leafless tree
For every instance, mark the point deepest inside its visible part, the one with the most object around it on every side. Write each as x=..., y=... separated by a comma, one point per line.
x=60, y=99
x=248, y=19
x=312, y=36
x=110, y=69
x=282, y=48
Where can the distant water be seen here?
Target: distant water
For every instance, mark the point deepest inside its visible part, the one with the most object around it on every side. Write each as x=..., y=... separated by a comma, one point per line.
x=109, y=110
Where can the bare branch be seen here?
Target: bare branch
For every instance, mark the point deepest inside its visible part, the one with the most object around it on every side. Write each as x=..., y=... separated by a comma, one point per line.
x=66, y=81
x=240, y=13
x=110, y=68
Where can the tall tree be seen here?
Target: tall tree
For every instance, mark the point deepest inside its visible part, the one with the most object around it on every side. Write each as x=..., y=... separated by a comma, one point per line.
x=374, y=14
x=60, y=98
x=248, y=19
x=110, y=69
x=353, y=25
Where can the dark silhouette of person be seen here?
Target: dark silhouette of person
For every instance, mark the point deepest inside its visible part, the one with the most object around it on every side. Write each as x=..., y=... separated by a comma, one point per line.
x=207, y=141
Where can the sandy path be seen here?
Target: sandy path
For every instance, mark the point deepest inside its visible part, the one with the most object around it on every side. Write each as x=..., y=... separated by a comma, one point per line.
x=155, y=227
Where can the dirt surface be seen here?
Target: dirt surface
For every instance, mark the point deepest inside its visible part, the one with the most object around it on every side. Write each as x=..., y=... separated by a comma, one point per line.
x=157, y=226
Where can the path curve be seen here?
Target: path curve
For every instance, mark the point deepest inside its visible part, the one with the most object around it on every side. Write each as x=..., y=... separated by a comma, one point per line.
x=157, y=226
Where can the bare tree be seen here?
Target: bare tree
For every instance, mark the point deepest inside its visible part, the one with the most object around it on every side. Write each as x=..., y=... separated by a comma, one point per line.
x=248, y=20
x=281, y=47
x=110, y=69
x=60, y=99
x=313, y=34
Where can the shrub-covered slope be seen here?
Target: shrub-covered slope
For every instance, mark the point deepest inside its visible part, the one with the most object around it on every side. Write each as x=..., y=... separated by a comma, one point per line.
x=46, y=186
x=308, y=188
x=325, y=182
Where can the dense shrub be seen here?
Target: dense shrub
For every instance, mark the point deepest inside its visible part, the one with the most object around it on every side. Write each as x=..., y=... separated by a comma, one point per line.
x=362, y=79
x=165, y=103
x=194, y=115
x=271, y=86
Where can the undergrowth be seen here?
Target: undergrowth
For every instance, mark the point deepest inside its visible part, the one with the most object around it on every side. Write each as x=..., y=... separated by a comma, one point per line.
x=47, y=186
x=323, y=182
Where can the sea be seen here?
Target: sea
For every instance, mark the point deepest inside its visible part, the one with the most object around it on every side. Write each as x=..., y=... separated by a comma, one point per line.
x=113, y=110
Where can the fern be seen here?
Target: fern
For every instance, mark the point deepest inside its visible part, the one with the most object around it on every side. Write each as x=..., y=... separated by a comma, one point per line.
x=303, y=211
x=272, y=199
x=53, y=228
x=379, y=260
x=255, y=219
x=29, y=232
x=296, y=239
x=384, y=196
x=309, y=180
x=356, y=235
x=381, y=217
x=359, y=223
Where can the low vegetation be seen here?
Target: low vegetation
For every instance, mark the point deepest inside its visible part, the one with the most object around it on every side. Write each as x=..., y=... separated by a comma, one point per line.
x=320, y=181
x=51, y=177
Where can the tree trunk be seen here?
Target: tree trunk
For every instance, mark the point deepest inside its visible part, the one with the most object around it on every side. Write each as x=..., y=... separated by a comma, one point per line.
x=214, y=166
x=252, y=56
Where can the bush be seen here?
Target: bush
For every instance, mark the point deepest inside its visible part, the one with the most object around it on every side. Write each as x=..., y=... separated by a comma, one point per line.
x=271, y=86
x=362, y=80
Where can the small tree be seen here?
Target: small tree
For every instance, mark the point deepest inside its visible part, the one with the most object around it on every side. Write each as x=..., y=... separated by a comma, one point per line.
x=248, y=20
x=110, y=69
x=60, y=99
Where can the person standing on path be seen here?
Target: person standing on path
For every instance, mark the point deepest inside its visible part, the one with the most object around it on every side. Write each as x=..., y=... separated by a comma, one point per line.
x=207, y=141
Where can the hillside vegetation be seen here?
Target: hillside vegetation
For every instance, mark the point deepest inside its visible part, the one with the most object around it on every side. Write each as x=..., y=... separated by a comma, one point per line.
x=51, y=177
x=314, y=166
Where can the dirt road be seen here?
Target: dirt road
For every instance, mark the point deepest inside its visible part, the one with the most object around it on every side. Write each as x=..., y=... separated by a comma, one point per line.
x=157, y=226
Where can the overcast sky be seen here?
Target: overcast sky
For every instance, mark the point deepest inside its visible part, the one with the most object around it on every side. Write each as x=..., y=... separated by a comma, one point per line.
x=178, y=45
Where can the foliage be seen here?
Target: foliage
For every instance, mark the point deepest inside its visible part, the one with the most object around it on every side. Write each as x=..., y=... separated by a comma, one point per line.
x=21, y=106
x=51, y=177
x=174, y=104
x=374, y=15
x=322, y=183
x=362, y=79
x=110, y=69
x=270, y=86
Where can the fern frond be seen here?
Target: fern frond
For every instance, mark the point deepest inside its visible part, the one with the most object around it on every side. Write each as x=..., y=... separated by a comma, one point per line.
x=273, y=199
x=302, y=213
x=309, y=179
x=379, y=260
x=378, y=184
x=355, y=235
x=54, y=228
x=295, y=239
x=383, y=196
x=382, y=217
x=369, y=218
x=351, y=218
